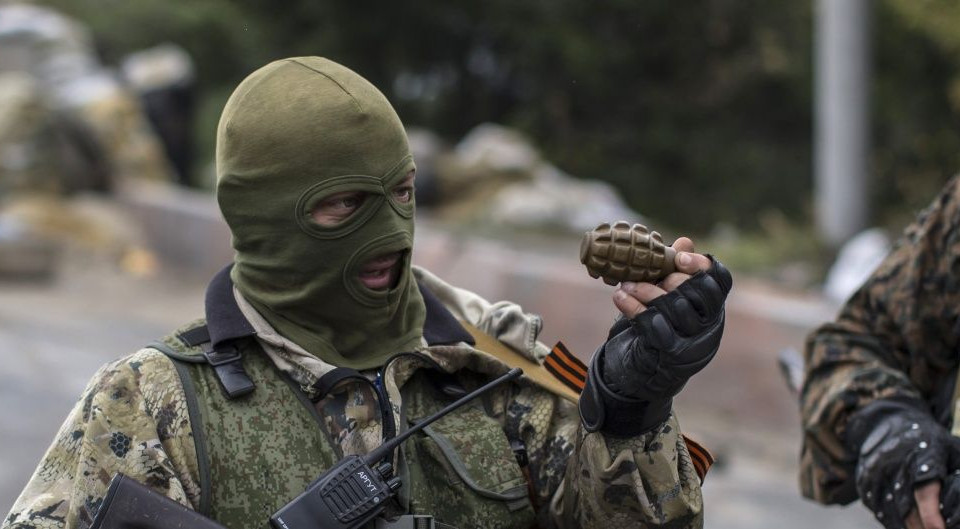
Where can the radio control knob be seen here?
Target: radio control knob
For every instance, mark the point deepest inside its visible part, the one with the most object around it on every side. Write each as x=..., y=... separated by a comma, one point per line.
x=394, y=484
x=385, y=469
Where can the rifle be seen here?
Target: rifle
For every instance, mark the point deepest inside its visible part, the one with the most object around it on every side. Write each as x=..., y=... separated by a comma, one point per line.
x=131, y=505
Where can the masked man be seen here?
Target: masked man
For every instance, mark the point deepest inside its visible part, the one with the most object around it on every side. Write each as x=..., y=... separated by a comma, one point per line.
x=321, y=340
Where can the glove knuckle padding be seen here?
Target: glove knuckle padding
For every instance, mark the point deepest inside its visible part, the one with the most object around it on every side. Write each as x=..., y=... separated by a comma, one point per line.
x=659, y=334
x=721, y=275
x=700, y=351
x=681, y=313
x=700, y=292
x=697, y=302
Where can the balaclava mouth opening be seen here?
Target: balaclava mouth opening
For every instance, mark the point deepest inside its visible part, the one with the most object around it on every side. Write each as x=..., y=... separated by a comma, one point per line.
x=292, y=134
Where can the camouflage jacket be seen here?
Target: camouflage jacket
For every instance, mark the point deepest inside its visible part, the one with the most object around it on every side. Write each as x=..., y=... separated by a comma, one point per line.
x=897, y=336
x=133, y=418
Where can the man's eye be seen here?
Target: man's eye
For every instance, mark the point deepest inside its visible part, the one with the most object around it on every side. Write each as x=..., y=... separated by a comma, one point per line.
x=342, y=203
x=403, y=195
x=337, y=208
x=348, y=202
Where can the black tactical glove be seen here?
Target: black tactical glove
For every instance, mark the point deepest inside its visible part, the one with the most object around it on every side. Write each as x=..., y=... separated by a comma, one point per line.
x=901, y=446
x=646, y=360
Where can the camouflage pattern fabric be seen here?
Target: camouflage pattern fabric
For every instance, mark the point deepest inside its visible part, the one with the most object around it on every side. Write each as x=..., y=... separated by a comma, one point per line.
x=260, y=450
x=461, y=468
x=133, y=419
x=897, y=336
x=351, y=414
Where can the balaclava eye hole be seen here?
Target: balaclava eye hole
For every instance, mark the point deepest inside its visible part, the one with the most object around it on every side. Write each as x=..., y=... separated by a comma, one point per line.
x=372, y=201
x=395, y=189
x=404, y=209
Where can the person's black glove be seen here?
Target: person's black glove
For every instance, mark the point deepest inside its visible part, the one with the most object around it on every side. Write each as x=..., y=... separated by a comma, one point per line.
x=901, y=446
x=950, y=500
x=646, y=360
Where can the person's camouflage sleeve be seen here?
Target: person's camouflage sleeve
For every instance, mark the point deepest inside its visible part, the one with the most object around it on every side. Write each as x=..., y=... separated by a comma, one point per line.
x=132, y=418
x=580, y=479
x=588, y=480
x=895, y=337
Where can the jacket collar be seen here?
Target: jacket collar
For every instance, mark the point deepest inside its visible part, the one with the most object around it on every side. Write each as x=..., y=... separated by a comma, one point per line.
x=225, y=321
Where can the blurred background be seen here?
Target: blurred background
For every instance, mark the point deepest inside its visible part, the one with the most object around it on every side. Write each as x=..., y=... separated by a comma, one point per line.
x=792, y=139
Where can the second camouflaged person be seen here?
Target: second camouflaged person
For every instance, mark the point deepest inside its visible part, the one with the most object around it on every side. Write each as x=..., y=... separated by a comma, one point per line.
x=880, y=399
x=321, y=340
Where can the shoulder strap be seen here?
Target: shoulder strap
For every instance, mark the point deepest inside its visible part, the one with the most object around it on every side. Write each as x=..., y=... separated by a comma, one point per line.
x=180, y=362
x=564, y=375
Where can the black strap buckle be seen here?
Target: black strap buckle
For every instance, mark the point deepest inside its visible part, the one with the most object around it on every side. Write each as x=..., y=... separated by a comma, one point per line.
x=228, y=367
x=520, y=452
x=224, y=355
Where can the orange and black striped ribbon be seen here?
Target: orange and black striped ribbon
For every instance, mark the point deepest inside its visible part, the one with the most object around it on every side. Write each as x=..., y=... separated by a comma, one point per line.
x=702, y=458
x=567, y=368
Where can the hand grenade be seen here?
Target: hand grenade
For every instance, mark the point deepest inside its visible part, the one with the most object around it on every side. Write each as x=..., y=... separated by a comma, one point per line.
x=622, y=252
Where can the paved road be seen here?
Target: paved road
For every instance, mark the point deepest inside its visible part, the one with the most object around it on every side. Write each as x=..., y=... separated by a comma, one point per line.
x=54, y=336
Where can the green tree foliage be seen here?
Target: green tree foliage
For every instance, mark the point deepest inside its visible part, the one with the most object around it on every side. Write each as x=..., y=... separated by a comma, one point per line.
x=916, y=105
x=698, y=110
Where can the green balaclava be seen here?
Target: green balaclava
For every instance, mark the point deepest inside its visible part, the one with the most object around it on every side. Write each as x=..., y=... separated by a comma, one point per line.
x=292, y=134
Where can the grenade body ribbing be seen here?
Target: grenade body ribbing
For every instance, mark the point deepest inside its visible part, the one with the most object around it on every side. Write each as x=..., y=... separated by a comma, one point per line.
x=621, y=252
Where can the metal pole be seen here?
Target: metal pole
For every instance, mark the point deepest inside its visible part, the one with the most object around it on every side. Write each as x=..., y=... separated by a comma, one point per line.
x=842, y=117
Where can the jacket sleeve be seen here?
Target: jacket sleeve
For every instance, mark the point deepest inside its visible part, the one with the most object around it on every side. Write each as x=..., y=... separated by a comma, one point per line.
x=585, y=479
x=131, y=418
x=895, y=337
